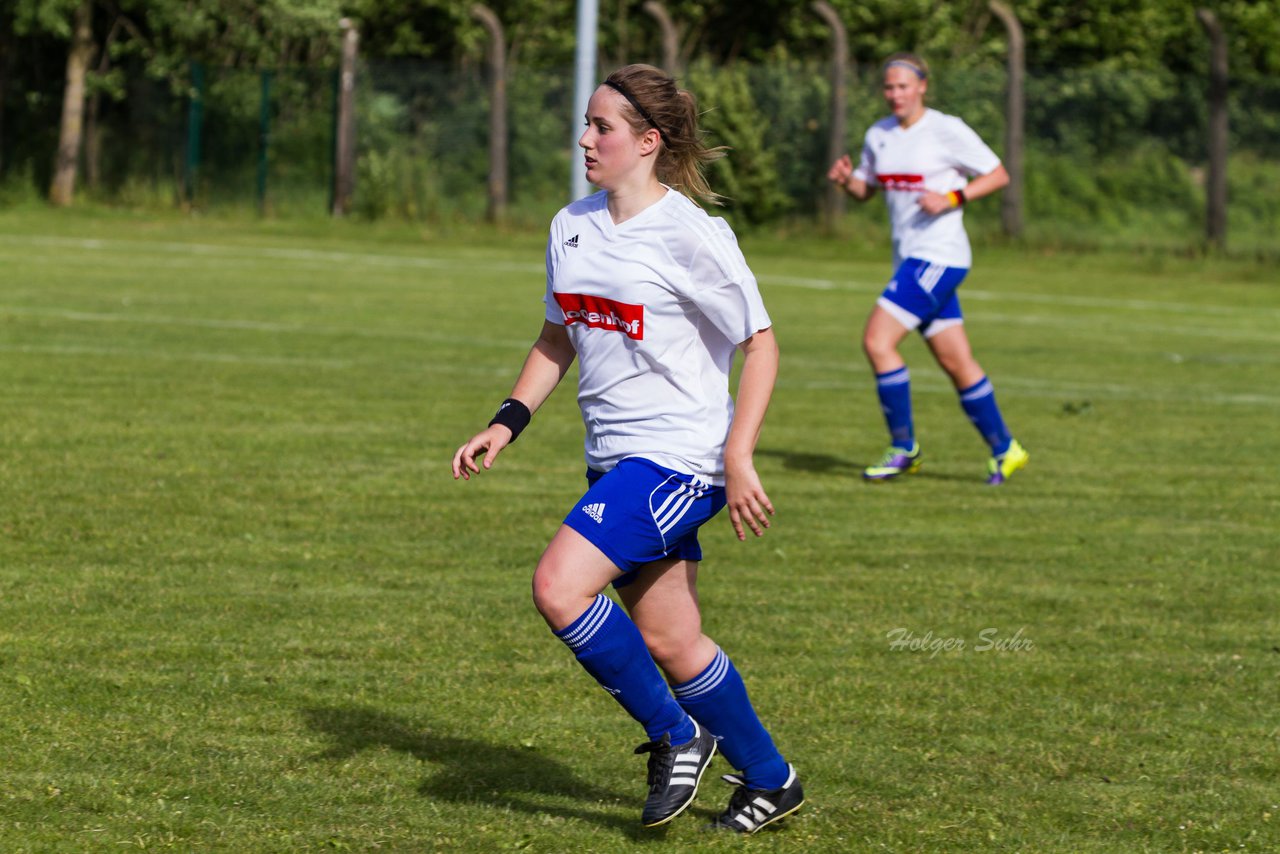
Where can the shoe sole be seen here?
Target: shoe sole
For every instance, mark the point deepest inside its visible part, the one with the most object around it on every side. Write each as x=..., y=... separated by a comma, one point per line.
x=776, y=818
x=696, y=783
x=880, y=478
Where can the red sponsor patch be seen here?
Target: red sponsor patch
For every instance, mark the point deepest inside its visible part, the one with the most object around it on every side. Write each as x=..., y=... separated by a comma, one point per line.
x=601, y=313
x=901, y=181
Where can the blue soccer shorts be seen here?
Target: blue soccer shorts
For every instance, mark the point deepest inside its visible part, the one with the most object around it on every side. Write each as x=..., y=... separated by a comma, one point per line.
x=639, y=512
x=922, y=295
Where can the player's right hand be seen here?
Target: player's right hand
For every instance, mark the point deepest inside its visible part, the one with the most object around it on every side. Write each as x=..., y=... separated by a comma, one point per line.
x=487, y=443
x=841, y=171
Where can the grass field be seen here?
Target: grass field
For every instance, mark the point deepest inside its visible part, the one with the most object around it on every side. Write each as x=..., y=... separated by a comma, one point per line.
x=244, y=607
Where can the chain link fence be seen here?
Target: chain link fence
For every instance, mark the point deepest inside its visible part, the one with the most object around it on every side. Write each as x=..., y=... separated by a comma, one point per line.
x=1106, y=150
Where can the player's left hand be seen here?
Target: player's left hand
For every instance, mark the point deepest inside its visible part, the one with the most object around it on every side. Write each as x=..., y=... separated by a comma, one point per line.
x=935, y=203
x=746, y=500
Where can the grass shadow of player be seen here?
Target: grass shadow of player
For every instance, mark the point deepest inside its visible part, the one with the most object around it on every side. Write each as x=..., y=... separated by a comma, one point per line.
x=813, y=463
x=827, y=464
x=473, y=771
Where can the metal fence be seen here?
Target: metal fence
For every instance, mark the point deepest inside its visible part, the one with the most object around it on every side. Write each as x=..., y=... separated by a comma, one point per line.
x=1103, y=147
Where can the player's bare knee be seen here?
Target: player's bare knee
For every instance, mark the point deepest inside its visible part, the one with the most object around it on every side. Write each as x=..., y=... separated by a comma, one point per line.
x=664, y=647
x=671, y=646
x=880, y=351
x=550, y=598
x=962, y=368
x=874, y=347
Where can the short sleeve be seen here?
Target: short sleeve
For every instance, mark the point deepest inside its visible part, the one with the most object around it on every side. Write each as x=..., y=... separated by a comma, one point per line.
x=554, y=314
x=967, y=149
x=724, y=288
x=866, y=169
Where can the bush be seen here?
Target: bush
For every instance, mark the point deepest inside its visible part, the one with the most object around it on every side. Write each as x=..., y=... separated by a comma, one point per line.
x=749, y=177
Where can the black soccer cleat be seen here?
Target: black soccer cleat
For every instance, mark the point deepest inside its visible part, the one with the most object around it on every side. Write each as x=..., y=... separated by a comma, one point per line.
x=674, y=774
x=751, y=809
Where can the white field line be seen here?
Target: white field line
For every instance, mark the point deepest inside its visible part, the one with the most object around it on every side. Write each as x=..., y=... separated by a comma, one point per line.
x=926, y=385
x=1017, y=296
x=1120, y=326
x=301, y=272
x=272, y=252
x=261, y=326
x=235, y=359
x=1113, y=326
x=1065, y=391
x=1063, y=321
x=417, y=261
x=1134, y=304
x=1029, y=387
x=153, y=355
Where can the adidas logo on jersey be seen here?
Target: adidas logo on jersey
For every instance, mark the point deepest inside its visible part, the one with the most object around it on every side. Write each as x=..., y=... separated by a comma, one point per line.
x=595, y=511
x=572, y=242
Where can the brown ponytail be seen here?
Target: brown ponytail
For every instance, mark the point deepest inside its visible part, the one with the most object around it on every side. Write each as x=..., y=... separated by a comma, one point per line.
x=654, y=101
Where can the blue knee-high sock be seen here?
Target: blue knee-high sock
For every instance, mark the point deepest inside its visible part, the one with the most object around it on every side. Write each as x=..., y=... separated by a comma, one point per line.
x=717, y=699
x=979, y=402
x=894, y=389
x=610, y=647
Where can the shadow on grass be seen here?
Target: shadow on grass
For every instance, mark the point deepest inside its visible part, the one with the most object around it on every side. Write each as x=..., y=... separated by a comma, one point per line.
x=813, y=463
x=827, y=464
x=475, y=771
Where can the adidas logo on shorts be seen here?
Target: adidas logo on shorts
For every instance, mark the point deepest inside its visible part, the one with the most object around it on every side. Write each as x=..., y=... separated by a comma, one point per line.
x=595, y=511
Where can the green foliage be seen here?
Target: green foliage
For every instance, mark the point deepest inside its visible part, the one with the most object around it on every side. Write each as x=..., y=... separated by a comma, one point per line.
x=1111, y=84
x=1109, y=193
x=18, y=189
x=1253, y=31
x=748, y=177
x=422, y=143
x=48, y=16
x=541, y=128
x=1096, y=111
x=794, y=100
x=1253, y=114
x=240, y=33
x=1253, y=188
x=444, y=30
x=393, y=178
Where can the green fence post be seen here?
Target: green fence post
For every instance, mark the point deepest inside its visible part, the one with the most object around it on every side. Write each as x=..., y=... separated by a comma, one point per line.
x=333, y=140
x=195, y=126
x=264, y=140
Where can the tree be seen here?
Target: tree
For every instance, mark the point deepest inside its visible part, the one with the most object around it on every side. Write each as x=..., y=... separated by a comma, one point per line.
x=72, y=20
x=168, y=34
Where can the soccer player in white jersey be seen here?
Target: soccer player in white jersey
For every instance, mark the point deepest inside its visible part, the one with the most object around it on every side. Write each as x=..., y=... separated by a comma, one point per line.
x=653, y=298
x=928, y=164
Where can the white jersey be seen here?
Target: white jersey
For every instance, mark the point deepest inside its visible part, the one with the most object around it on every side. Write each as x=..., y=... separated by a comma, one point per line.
x=938, y=153
x=655, y=308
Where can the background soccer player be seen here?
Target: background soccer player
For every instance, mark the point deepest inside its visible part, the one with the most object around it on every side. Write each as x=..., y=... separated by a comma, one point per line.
x=923, y=160
x=653, y=298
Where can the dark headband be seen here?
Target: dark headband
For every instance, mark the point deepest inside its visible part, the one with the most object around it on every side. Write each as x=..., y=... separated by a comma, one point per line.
x=903, y=63
x=644, y=114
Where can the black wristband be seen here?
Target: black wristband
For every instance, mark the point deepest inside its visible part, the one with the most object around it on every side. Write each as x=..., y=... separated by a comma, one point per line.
x=513, y=415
